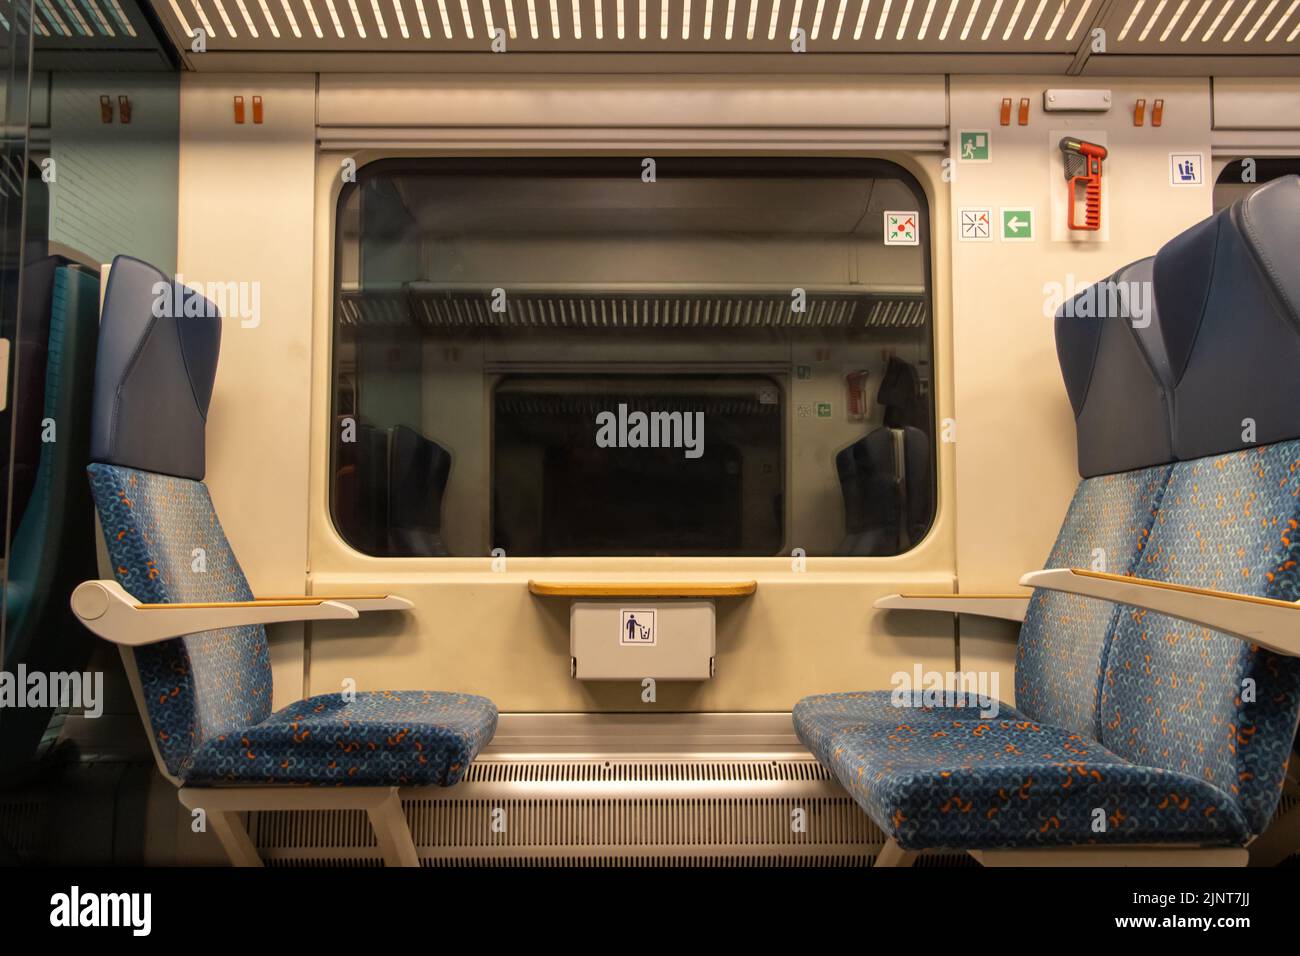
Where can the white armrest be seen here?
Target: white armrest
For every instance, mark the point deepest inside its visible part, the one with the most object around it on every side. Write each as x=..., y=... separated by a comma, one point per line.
x=106, y=609
x=1008, y=607
x=1263, y=621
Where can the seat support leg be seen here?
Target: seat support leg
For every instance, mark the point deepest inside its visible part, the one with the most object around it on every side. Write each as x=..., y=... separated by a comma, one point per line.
x=234, y=838
x=891, y=854
x=394, y=836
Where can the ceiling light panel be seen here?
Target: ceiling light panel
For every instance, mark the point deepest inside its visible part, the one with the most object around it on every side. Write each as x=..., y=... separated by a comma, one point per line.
x=1202, y=27
x=730, y=26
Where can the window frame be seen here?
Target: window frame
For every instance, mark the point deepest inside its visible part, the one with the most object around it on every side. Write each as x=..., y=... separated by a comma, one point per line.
x=794, y=165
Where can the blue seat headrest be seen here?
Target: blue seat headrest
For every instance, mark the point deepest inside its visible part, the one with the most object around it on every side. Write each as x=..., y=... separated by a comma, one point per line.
x=1229, y=294
x=158, y=347
x=1116, y=372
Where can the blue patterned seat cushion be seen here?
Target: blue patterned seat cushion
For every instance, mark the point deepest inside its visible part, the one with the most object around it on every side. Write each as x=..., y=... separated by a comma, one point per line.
x=1061, y=652
x=407, y=738
x=948, y=778
x=1189, y=699
x=167, y=546
x=820, y=720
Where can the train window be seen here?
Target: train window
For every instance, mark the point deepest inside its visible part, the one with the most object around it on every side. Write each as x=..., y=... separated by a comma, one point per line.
x=1241, y=177
x=623, y=356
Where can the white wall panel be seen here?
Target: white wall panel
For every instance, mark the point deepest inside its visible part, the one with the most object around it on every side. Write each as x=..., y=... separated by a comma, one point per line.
x=246, y=216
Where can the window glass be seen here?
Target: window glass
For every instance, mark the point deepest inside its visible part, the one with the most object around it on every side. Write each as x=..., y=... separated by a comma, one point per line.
x=694, y=356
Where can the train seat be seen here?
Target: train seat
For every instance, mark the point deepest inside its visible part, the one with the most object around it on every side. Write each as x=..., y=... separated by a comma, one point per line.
x=204, y=682
x=1158, y=666
x=867, y=472
x=951, y=778
x=418, y=470
x=55, y=518
x=1229, y=516
x=885, y=476
x=389, y=490
x=30, y=361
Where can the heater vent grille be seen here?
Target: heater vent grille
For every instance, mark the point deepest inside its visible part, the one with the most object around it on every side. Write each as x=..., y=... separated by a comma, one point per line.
x=500, y=771
x=23, y=824
x=675, y=813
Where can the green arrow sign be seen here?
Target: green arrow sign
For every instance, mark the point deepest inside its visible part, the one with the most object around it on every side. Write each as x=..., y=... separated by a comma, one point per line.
x=1017, y=223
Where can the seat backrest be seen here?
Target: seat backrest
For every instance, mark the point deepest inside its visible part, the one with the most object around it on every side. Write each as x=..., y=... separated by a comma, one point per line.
x=918, y=485
x=48, y=555
x=1233, y=283
x=41, y=544
x=1062, y=647
x=372, y=489
x=871, y=502
x=1176, y=695
x=30, y=359
x=885, y=476
x=900, y=394
x=1110, y=358
x=846, y=469
x=418, y=470
x=158, y=348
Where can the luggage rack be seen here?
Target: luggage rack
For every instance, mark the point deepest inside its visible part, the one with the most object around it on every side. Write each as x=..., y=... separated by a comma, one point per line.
x=456, y=309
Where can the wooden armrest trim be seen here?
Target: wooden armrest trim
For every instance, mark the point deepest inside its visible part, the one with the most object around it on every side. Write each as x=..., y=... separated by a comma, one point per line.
x=616, y=589
x=361, y=602
x=321, y=597
x=256, y=602
x=1185, y=589
x=1022, y=596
